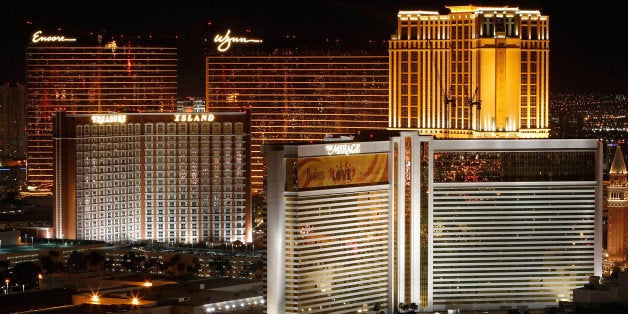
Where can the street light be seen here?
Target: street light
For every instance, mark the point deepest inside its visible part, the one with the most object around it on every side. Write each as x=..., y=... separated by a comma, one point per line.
x=7, y=282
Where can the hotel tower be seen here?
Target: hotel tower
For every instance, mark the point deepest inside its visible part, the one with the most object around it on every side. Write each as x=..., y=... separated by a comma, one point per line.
x=90, y=74
x=474, y=72
x=328, y=227
x=297, y=95
x=470, y=224
x=167, y=177
x=617, y=207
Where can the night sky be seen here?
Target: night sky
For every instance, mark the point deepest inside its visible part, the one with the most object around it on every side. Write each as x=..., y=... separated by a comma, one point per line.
x=585, y=36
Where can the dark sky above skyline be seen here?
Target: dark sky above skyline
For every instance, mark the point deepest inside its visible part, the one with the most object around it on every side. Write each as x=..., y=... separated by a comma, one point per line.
x=585, y=36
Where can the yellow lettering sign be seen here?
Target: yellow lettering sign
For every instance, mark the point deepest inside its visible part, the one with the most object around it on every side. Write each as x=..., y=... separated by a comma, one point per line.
x=193, y=117
x=224, y=41
x=37, y=37
x=108, y=118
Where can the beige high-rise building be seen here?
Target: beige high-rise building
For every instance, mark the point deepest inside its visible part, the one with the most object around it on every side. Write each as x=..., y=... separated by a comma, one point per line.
x=617, y=207
x=165, y=177
x=475, y=72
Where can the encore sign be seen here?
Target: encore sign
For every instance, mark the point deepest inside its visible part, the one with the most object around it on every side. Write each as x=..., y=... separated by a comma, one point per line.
x=38, y=37
x=224, y=41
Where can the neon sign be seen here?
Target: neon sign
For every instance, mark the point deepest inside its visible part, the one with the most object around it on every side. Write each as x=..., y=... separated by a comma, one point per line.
x=224, y=41
x=342, y=149
x=108, y=118
x=111, y=45
x=193, y=117
x=37, y=37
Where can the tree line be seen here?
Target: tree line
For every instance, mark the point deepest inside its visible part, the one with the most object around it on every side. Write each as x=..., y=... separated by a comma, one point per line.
x=94, y=260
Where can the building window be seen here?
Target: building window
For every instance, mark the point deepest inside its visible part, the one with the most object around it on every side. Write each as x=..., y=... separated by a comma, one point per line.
x=487, y=27
x=510, y=27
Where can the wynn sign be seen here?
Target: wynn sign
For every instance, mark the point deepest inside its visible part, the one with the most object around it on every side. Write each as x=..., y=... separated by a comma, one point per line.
x=224, y=41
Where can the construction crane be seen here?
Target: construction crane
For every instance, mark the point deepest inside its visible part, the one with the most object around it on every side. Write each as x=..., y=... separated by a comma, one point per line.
x=476, y=102
x=449, y=101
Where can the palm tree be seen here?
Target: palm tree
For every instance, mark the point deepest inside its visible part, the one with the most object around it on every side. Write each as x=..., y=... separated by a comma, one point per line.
x=132, y=262
x=4, y=268
x=173, y=262
x=152, y=265
x=195, y=268
x=377, y=308
x=414, y=308
x=76, y=261
x=253, y=270
x=180, y=268
x=47, y=264
x=108, y=264
x=127, y=261
x=26, y=273
x=220, y=267
x=95, y=259
x=402, y=308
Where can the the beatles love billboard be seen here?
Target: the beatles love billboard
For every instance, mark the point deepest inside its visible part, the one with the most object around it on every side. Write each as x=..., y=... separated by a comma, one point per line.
x=336, y=171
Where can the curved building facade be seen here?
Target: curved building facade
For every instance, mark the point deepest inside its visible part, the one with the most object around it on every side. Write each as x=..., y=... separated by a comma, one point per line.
x=486, y=224
x=90, y=74
x=298, y=95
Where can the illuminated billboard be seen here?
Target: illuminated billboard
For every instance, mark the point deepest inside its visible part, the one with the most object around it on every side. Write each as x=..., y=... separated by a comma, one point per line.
x=336, y=171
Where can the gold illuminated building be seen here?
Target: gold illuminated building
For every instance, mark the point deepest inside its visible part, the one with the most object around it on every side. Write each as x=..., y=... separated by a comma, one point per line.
x=472, y=73
x=90, y=75
x=296, y=96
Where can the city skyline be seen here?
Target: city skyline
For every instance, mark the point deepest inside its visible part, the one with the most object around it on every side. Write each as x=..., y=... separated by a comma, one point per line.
x=379, y=219
x=582, y=52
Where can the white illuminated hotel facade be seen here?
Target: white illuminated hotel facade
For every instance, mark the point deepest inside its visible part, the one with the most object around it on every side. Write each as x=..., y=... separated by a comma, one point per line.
x=454, y=224
x=328, y=222
x=166, y=177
